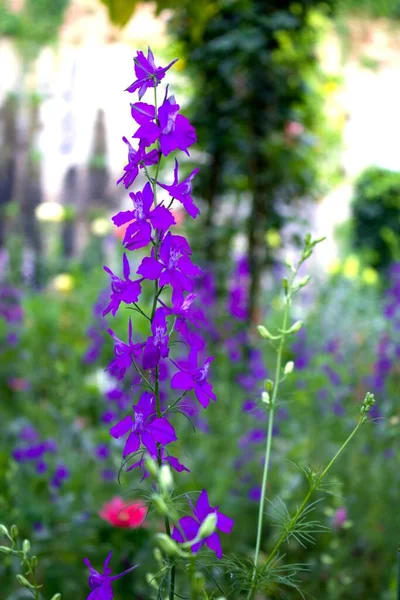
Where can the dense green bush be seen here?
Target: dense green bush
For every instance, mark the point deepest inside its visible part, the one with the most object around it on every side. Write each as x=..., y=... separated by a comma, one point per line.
x=376, y=216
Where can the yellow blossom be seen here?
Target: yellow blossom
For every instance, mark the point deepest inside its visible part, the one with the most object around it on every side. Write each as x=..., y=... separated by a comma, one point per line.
x=351, y=266
x=63, y=283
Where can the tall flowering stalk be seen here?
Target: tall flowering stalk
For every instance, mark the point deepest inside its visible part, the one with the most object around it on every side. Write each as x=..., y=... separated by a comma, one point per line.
x=167, y=266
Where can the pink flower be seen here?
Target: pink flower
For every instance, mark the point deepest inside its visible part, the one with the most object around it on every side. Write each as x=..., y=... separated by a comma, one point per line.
x=340, y=517
x=117, y=513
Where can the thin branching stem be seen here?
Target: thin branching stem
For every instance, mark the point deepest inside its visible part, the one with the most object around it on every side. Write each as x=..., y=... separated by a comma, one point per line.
x=314, y=486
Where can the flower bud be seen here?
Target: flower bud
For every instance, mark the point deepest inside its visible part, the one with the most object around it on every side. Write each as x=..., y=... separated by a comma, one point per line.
x=157, y=555
x=265, y=397
x=289, y=367
x=165, y=478
x=5, y=550
x=56, y=597
x=151, y=466
x=198, y=582
x=296, y=327
x=263, y=331
x=303, y=282
x=26, y=546
x=4, y=530
x=208, y=526
x=160, y=504
x=268, y=385
x=23, y=581
x=168, y=545
x=14, y=532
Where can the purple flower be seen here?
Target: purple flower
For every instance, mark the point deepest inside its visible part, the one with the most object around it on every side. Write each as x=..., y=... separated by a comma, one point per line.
x=136, y=158
x=181, y=191
x=122, y=290
x=145, y=427
x=102, y=452
x=173, y=130
x=173, y=265
x=138, y=233
x=185, y=313
x=195, y=378
x=188, y=527
x=148, y=75
x=157, y=344
x=60, y=474
x=124, y=354
x=101, y=583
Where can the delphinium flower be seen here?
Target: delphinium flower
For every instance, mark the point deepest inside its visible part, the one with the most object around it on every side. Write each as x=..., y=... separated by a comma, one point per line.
x=101, y=583
x=145, y=427
x=187, y=528
x=175, y=321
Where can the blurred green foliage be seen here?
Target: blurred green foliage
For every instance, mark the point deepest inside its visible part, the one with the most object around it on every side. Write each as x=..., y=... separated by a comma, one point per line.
x=376, y=216
x=34, y=26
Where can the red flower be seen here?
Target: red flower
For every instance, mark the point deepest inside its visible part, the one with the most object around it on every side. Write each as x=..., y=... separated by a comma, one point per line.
x=117, y=513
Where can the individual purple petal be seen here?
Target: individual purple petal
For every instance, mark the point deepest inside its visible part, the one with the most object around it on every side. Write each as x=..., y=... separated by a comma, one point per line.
x=132, y=444
x=122, y=427
x=214, y=544
x=224, y=523
x=202, y=506
x=162, y=431
x=182, y=381
x=150, y=268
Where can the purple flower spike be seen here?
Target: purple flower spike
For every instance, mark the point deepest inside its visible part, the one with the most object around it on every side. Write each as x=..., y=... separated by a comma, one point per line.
x=188, y=527
x=136, y=159
x=157, y=344
x=124, y=354
x=182, y=191
x=138, y=233
x=195, y=378
x=122, y=290
x=148, y=75
x=101, y=583
x=145, y=427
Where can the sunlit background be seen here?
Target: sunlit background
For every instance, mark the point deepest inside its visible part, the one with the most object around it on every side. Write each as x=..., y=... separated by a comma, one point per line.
x=296, y=106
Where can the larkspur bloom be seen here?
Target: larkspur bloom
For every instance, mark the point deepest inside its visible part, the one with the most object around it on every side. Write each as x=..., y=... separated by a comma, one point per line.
x=144, y=427
x=124, y=353
x=173, y=265
x=195, y=378
x=138, y=232
x=101, y=583
x=182, y=191
x=147, y=73
x=184, y=311
x=122, y=290
x=157, y=344
x=173, y=130
x=136, y=159
x=188, y=527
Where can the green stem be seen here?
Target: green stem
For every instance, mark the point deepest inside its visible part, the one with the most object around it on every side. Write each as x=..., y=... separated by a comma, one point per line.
x=313, y=487
x=157, y=292
x=269, y=437
x=192, y=571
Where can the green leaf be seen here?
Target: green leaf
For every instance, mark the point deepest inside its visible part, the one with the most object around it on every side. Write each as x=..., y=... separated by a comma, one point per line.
x=120, y=11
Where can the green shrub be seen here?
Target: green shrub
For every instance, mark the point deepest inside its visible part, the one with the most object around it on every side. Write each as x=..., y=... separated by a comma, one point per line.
x=376, y=216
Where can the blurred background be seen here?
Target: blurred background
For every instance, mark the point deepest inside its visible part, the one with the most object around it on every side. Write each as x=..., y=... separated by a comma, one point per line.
x=296, y=106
